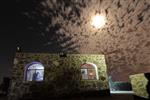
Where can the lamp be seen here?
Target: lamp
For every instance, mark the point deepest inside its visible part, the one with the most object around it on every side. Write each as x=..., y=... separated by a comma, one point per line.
x=98, y=21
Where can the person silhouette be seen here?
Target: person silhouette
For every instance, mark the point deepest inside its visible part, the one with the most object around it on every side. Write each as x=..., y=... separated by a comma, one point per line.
x=34, y=77
x=38, y=78
x=147, y=75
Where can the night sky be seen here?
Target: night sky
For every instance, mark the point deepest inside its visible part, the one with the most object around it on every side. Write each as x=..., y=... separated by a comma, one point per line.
x=13, y=33
x=7, y=37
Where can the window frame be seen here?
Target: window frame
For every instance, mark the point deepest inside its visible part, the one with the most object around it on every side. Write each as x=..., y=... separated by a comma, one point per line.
x=26, y=70
x=94, y=67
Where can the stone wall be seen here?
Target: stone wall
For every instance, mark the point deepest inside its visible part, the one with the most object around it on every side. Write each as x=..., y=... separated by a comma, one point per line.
x=61, y=74
x=139, y=84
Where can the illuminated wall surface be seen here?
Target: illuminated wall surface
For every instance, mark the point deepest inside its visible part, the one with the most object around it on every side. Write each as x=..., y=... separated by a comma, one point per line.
x=62, y=75
x=139, y=85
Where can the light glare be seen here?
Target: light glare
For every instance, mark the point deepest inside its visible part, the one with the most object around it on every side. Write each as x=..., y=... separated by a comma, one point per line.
x=98, y=21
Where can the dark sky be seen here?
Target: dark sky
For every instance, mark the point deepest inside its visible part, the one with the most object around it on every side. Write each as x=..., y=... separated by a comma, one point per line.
x=7, y=40
x=13, y=33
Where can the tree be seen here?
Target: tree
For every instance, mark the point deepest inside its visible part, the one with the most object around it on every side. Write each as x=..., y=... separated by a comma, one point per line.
x=51, y=20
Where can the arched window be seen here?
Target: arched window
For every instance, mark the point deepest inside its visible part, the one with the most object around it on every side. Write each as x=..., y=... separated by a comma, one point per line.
x=34, y=72
x=89, y=71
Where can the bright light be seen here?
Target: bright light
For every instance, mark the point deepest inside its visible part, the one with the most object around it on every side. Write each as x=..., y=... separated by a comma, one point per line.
x=98, y=21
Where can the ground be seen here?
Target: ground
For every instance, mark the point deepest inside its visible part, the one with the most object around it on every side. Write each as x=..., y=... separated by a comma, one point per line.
x=113, y=97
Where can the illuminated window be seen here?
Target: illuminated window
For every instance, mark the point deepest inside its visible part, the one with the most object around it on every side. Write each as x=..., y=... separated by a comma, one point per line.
x=34, y=72
x=89, y=71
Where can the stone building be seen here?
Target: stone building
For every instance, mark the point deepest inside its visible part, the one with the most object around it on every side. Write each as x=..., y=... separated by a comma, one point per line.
x=42, y=73
x=124, y=39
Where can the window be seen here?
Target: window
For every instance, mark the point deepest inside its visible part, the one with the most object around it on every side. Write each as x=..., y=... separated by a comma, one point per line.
x=89, y=71
x=34, y=72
